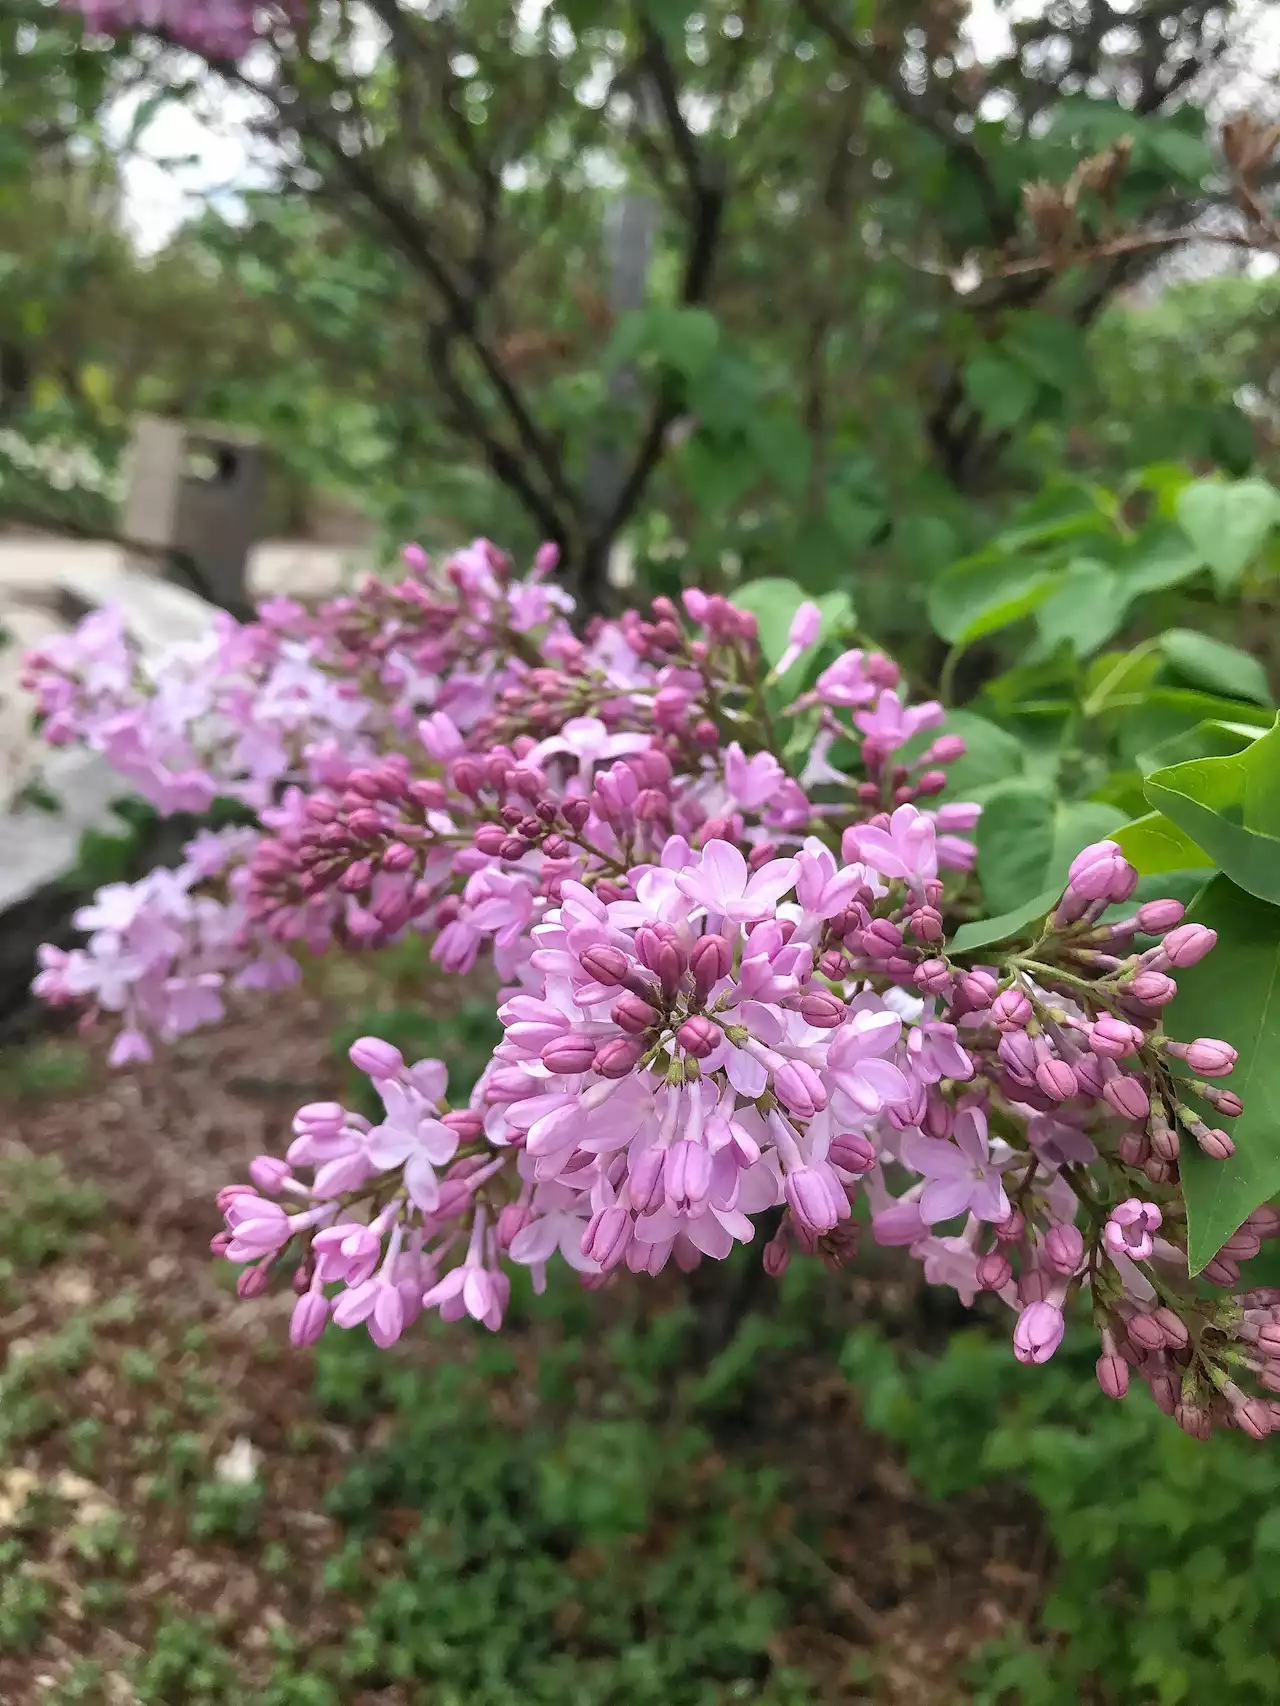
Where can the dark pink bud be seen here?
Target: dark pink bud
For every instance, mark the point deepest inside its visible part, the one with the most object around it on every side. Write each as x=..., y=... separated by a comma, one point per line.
x=1114, y=1038
x=1173, y=1327
x=489, y=838
x=1215, y=1143
x=777, y=1257
x=706, y=733
x=1225, y=1102
x=881, y=940
x=1152, y=988
x=933, y=977
x=218, y=1243
x=619, y=1057
x=1127, y=1096
x=979, y=988
x=823, y=1010
x=467, y=1122
x=1209, y=1058
x=1188, y=944
x=1113, y=1375
x=709, y=960
x=926, y=924
x=1056, y=1079
x=994, y=1271
x=1146, y=1332
x=1133, y=1148
x=852, y=1153
x=514, y=847
x=513, y=1219
x=605, y=964
x=398, y=857
x=1222, y=1270
x=699, y=1037
x=569, y=1055
x=575, y=813
x=1064, y=1248
x=252, y=1282
x=1253, y=1417
x=356, y=877
x=1009, y=1231
x=761, y=854
x=1011, y=1010
x=376, y=1057
x=634, y=1015
x=1157, y=916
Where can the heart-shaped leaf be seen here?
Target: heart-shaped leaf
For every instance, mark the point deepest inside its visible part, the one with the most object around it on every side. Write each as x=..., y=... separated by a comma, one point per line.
x=1231, y=808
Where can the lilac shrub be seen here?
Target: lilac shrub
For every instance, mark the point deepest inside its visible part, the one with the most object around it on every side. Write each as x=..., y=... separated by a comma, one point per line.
x=729, y=990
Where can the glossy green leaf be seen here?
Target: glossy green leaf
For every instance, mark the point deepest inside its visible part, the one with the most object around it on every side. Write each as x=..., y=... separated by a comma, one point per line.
x=1231, y=808
x=1165, y=712
x=1234, y=993
x=1216, y=666
x=1152, y=845
x=1227, y=522
x=1161, y=556
x=1212, y=739
x=985, y=932
x=983, y=594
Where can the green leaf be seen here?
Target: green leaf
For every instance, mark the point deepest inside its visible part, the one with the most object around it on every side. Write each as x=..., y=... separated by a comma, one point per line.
x=1230, y=807
x=1165, y=712
x=1216, y=666
x=1076, y=824
x=1227, y=523
x=984, y=932
x=1085, y=608
x=1015, y=843
x=1003, y=392
x=1233, y=993
x=1117, y=676
x=1160, y=557
x=718, y=472
x=992, y=754
x=1212, y=739
x=784, y=450
x=983, y=594
x=1048, y=346
x=1153, y=845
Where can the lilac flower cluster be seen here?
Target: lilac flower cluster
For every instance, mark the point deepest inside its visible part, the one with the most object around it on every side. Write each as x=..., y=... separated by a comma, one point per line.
x=728, y=988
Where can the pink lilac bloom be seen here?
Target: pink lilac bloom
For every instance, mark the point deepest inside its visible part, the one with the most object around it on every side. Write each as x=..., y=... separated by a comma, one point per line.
x=961, y=1176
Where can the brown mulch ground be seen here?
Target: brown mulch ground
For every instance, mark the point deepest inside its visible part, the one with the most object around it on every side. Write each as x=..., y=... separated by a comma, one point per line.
x=172, y=1353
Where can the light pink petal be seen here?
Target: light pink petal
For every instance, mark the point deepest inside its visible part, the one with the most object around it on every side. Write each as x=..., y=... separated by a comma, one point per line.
x=771, y=882
x=421, y=1184
x=537, y=1241
x=934, y=1158
x=943, y=1199
x=989, y=1201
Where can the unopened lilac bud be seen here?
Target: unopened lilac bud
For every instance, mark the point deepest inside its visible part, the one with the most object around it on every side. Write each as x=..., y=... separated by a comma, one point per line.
x=252, y=1282
x=1114, y=1038
x=606, y=964
x=218, y=1243
x=933, y=977
x=1127, y=1096
x=1188, y=944
x=569, y=1055
x=1157, y=916
x=1064, y=1248
x=852, y=1153
x=619, y=1057
x=811, y=1199
x=1113, y=1375
x=575, y=813
x=699, y=1037
x=1011, y=1010
x=777, y=1257
x=1224, y=1102
x=634, y=1015
x=270, y=1174
x=489, y=838
x=1152, y=989
x=1265, y=1222
x=1222, y=1270
x=994, y=1271
x=1056, y=1080
x=947, y=749
x=1173, y=1327
x=1269, y=1339
x=710, y=959
x=607, y=1236
x=513, y=1218
x=978, y=988
x=357, y=877
x=1209, y=1058
x=1017, y=1051
x=823, y=1010
x=1253, y=1417
x=1011, y=1229
x=1038, y=1332
x=310, y=1313
x=380, y=1059
x=1214, y=1143
x=398, y=857
x=800, y=1089
x=1101, y=872
x=1146, y=1332
x=926, y=924
x=320, y=1119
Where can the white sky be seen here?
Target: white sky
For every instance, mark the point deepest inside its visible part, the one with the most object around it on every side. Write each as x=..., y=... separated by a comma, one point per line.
x=187, y=159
